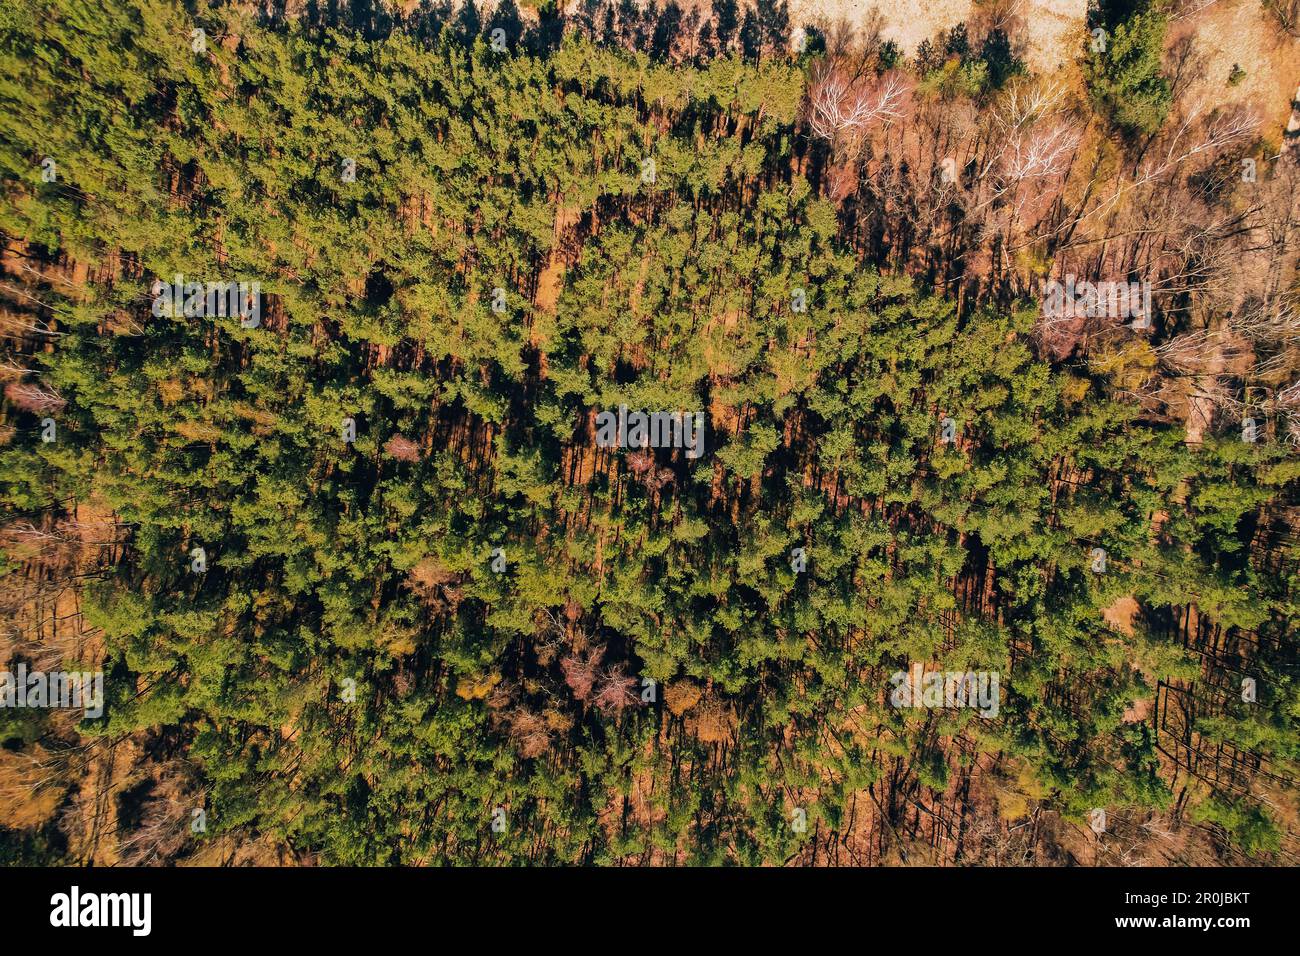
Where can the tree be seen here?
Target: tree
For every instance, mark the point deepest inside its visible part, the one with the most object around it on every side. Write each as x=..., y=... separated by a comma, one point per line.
x=1125, y=78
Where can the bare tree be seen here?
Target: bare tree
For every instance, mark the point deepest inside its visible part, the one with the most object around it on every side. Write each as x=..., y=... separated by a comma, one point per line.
x=617, y=690
x=402, y=449
x=33, y=397
x=840, y=107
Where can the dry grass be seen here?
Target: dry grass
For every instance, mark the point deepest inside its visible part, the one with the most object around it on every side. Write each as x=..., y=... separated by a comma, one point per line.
x=1240, y=33
x=1046, y=33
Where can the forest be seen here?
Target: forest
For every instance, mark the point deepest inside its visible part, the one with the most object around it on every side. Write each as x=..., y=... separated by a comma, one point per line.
x=309, y=311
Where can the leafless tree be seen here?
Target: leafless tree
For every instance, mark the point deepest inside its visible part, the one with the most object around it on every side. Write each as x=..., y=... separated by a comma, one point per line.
x=841, y=107
x=617, y=690
x=34, y=397
x=1040, y=152
x=580, y=672
x=402, y=449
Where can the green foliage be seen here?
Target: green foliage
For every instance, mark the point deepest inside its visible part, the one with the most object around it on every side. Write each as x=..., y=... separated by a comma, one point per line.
x=335, y=566
x=1125, y=79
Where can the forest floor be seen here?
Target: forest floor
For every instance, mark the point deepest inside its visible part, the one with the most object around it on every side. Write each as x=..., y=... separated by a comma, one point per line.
x=1239, y=33
x=1045, y=32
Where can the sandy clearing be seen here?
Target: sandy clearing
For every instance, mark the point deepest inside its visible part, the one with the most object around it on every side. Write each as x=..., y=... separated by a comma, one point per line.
x=1121, y=615
x=1047, y=33
x=1241, y=33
